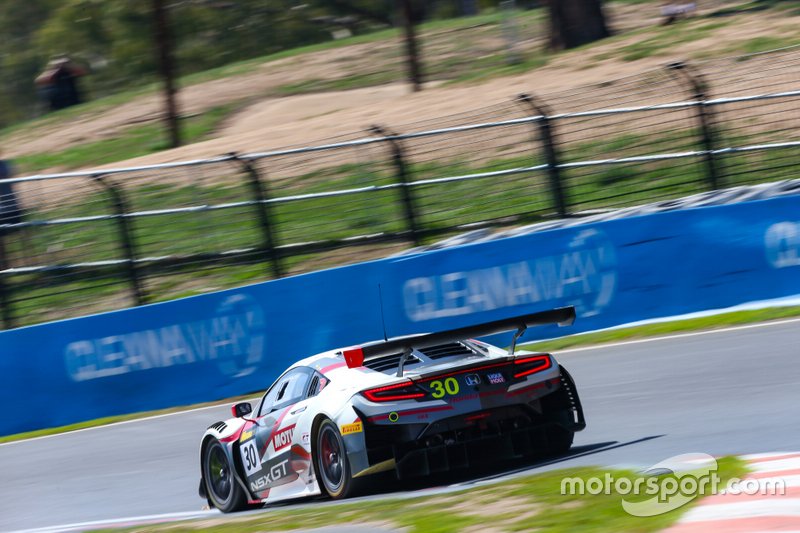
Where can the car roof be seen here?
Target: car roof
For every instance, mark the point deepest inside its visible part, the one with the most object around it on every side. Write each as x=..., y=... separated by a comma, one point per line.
x=314, y=361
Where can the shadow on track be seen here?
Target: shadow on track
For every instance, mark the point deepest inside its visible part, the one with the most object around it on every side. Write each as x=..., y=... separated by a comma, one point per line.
x=388, y=485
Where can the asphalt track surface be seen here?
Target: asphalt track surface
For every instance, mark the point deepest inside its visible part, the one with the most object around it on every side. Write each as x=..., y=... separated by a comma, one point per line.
x=733, y=391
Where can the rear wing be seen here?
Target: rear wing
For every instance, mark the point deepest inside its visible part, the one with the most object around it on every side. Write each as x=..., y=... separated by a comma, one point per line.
x=357, y=355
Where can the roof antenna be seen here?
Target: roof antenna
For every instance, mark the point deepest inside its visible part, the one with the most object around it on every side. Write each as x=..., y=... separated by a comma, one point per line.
x=383, y=319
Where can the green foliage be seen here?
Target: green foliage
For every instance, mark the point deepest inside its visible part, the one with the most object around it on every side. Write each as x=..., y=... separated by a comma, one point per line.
x=133, y=142
x=19, y=60
x=663, y=40
x=533, y=502
x=660, y=329
x=115, y=41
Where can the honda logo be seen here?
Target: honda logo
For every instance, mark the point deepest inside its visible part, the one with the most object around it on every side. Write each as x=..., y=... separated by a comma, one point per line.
x=473, y=379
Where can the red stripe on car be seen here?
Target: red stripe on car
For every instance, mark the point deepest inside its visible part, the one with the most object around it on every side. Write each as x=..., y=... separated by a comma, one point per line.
x=236, y=434
x=275, y=427
x=300, y=452
x=334, y=366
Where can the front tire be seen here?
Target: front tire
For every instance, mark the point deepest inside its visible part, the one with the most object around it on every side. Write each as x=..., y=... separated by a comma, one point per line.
x=222, y=488
x=330, y=462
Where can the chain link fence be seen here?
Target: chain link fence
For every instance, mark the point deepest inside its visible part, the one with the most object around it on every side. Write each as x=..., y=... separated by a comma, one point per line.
x=85, y=242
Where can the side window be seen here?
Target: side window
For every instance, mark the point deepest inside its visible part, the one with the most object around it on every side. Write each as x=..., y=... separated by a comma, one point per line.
x=290, y=388
x=318, y=382
x=313, y=389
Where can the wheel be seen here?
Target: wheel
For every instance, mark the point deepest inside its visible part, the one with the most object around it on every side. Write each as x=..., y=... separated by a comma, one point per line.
x=222, y=488
x=330, y=461
x=559, y=440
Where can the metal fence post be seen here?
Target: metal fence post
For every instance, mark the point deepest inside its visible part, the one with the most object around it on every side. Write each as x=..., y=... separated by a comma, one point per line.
x=5, y=295
x=260, y=191
x=398, y=157
x=705, y=119
x=548, y=143
x=125, y=235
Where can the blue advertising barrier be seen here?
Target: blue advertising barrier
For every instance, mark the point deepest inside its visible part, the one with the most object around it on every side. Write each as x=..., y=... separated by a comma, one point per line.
x=237, y=341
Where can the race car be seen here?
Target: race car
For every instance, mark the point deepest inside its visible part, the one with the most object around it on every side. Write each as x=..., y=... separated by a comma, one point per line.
x=407, y=407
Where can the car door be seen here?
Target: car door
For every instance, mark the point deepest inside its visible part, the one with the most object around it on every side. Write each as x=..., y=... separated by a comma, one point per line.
x=265, y=446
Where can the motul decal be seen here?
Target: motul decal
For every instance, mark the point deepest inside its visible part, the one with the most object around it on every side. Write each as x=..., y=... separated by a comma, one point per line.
x=282, y=438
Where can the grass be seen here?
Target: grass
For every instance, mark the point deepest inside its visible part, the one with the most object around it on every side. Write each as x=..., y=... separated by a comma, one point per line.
x=94, y=107
x=762, y=44
x=754, y=45
x=789, y=6
x=115, y=419
x=495, y=66
x=454, y=58
x=451, y=55
x=456, y=64
x=131, y=142
x=246, y=66
x=660, y=41
x=340, y=217
x=533, y=502
x=462, y=203
x=665, y=328
x=354, y=81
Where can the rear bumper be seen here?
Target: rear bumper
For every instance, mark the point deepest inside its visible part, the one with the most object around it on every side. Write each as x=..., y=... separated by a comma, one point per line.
x=505, y=435
x=478, y=438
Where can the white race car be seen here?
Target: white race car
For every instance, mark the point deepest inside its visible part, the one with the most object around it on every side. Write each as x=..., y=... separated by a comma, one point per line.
x=412, y=405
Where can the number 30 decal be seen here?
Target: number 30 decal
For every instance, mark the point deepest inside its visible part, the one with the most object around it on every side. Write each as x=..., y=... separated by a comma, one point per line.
x=440, y=389
x=250, y=457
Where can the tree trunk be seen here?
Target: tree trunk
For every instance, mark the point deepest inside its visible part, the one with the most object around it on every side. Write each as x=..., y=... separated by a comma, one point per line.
x=166, y=66
x=412, y=52
x=469, y=8
x=576, y=22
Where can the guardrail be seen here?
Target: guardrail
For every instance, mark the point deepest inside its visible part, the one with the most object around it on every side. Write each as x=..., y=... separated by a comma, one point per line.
x=104, y=239
x=237, y=341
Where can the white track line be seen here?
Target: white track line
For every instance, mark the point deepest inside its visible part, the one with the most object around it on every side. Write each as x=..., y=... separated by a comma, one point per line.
x=778, y=465
x=121, y=522
x=678, y=336
x=766, y=455
x=788, y=507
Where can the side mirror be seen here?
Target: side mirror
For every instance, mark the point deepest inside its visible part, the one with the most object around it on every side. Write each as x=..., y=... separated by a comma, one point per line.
x=242, y=409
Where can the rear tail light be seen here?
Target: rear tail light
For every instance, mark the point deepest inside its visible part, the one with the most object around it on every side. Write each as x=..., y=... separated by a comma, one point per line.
x=525, y=366
x=405, y=390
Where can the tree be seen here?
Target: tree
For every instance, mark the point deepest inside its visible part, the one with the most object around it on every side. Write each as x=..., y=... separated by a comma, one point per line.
x=576, y=22
x=406, y=12
x=20, y=61
x=163, y=38
x=375, y=11
x=114, y=39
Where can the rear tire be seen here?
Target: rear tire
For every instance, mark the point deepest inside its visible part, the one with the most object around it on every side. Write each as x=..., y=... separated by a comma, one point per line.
x=222, y=488
x=559, y=440
x=331, y=466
